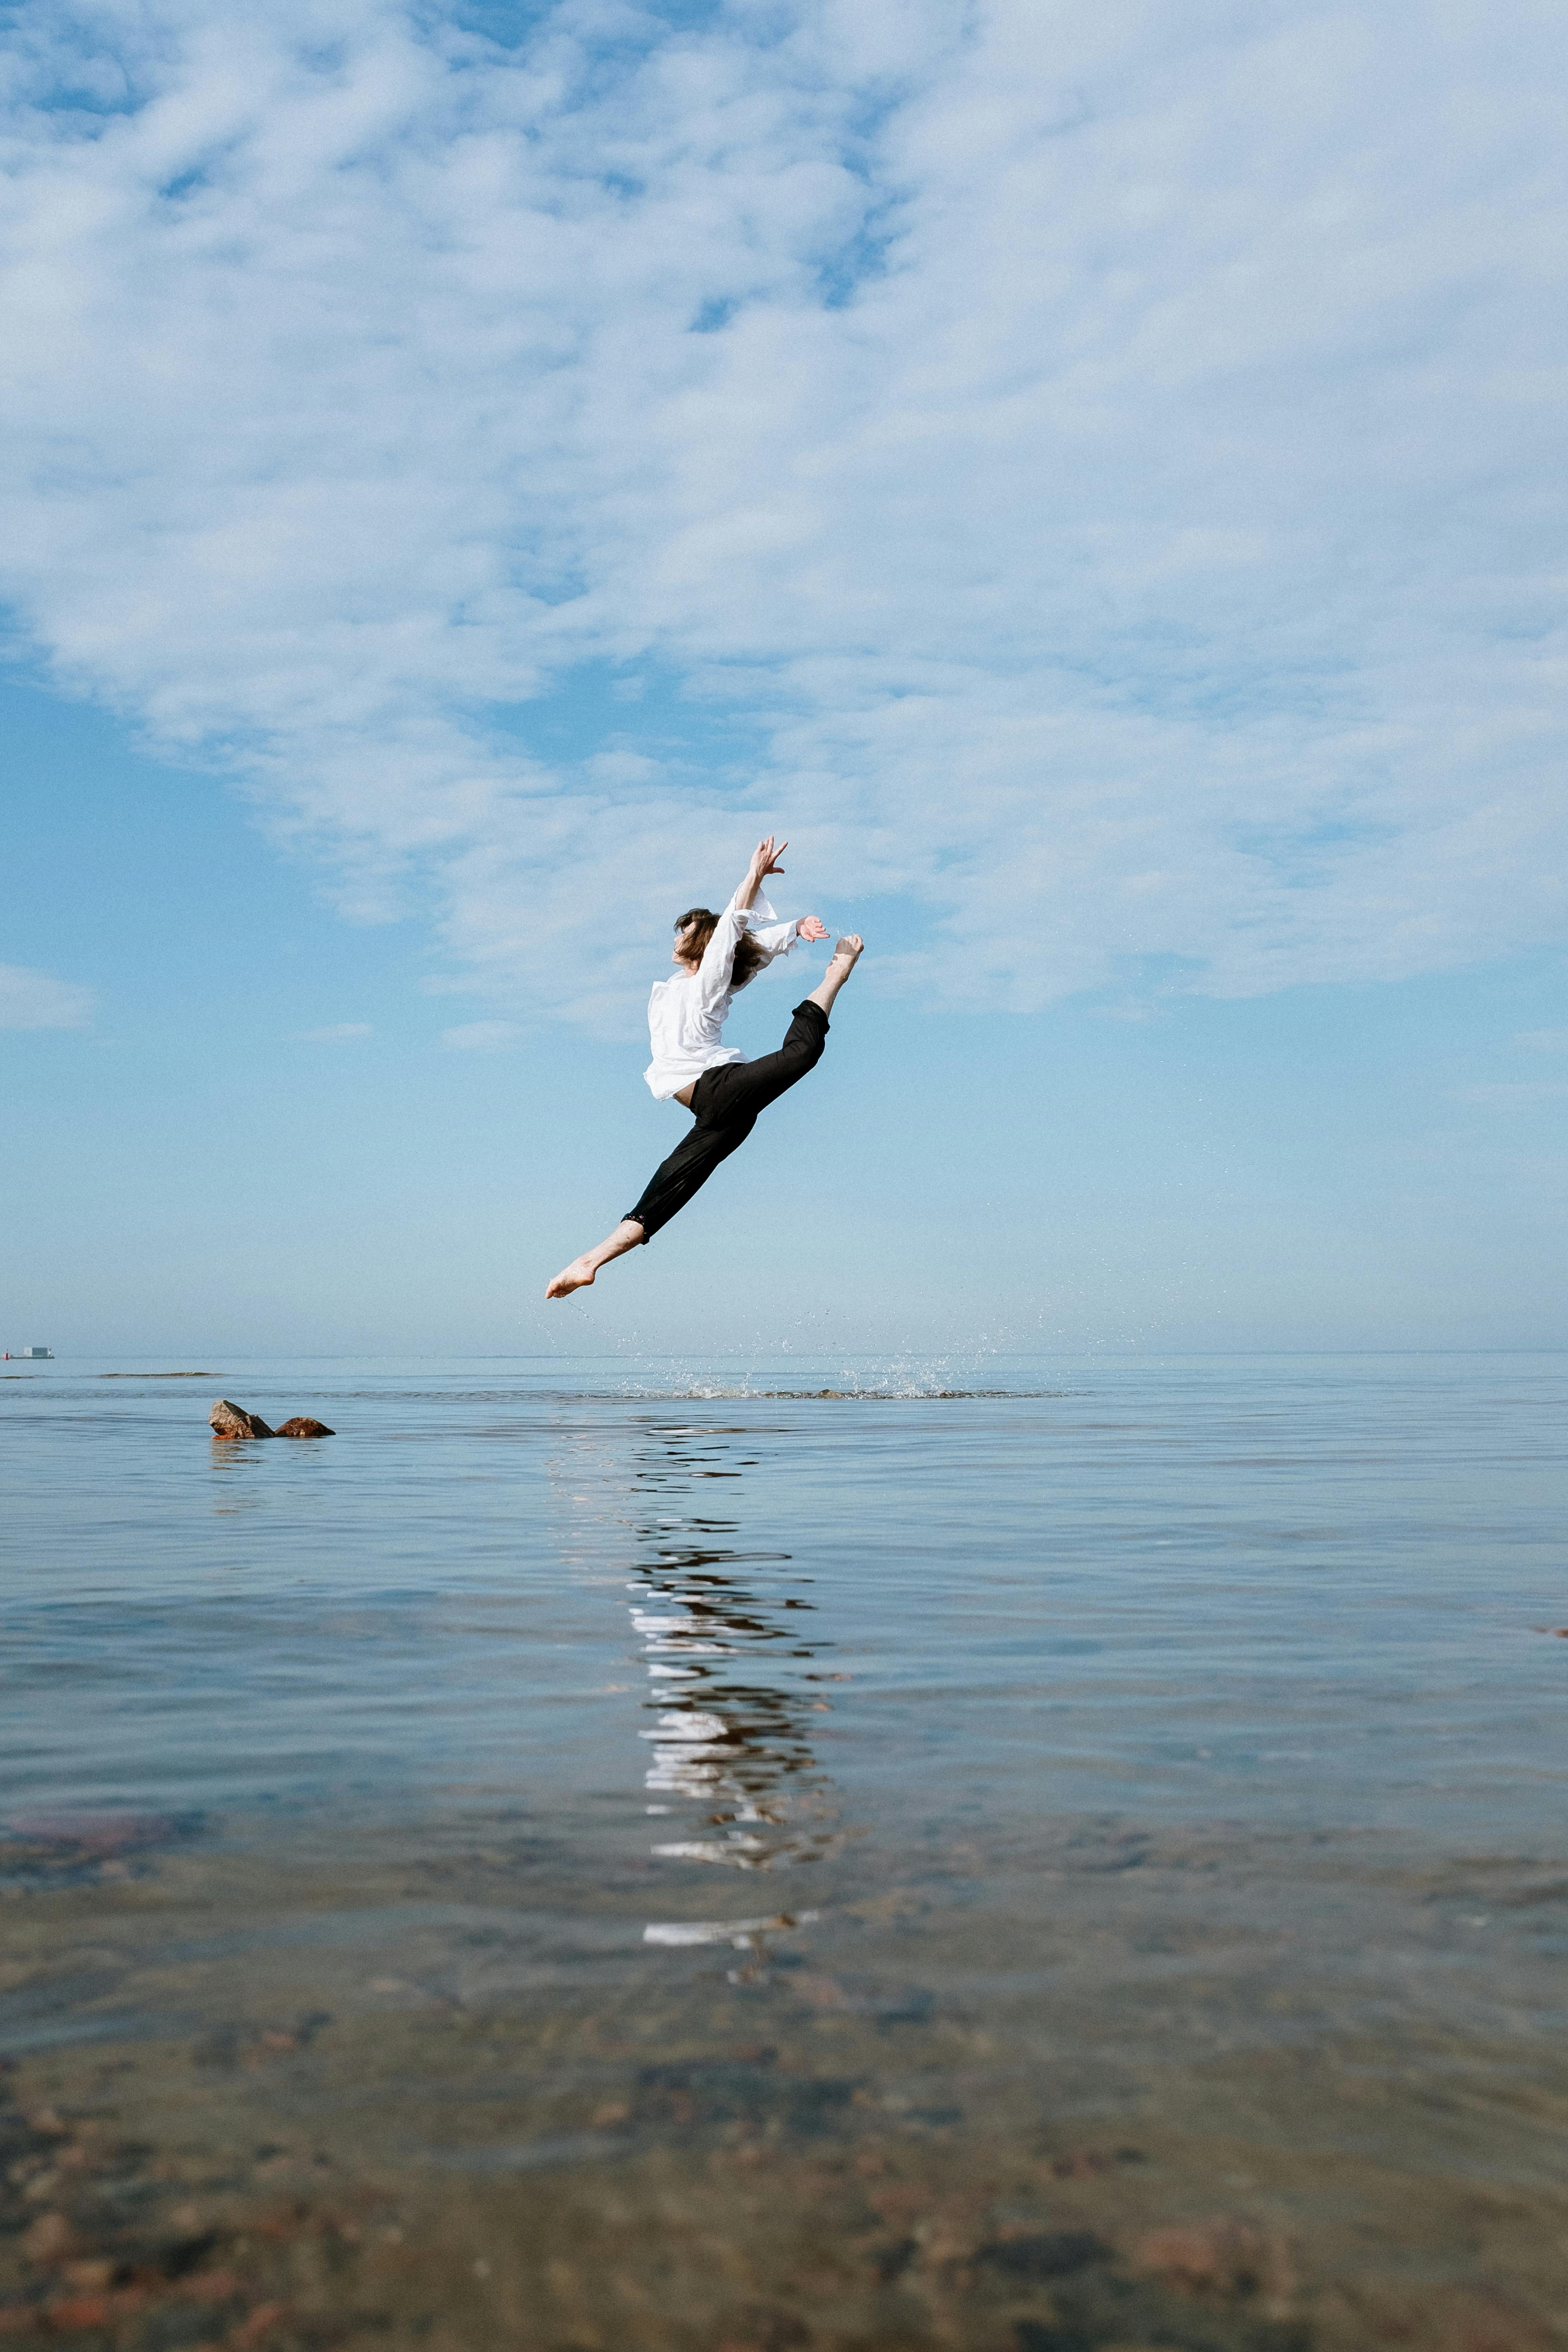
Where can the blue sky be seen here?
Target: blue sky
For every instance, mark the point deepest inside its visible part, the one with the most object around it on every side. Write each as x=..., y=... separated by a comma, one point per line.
x=1098, y=486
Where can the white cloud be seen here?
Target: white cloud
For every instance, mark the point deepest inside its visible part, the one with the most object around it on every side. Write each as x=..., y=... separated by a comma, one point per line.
x=1117, y=511
x=1545, y=1041
x=337, y=1032
x=31, y=1000
x=481, y=1036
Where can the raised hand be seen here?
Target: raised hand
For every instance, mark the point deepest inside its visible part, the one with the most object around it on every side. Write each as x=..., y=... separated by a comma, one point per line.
x=811, y=929
x=764, y=861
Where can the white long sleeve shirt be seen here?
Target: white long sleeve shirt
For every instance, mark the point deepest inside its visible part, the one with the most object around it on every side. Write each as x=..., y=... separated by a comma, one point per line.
x=685, y=1013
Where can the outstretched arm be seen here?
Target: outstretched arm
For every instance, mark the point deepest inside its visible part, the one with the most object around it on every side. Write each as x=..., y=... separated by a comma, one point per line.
x=764, y=859
x=777, y=939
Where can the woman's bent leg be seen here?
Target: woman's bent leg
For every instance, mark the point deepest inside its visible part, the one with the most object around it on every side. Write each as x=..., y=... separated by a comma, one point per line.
x=688, y=1168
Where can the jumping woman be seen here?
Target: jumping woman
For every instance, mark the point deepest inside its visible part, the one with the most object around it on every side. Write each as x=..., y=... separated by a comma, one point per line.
x=715, y=956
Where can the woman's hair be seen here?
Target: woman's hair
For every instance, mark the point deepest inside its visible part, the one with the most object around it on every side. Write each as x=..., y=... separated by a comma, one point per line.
x=749, y=957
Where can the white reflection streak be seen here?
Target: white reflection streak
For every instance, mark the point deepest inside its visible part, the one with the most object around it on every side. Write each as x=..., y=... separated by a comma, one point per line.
x=739, y=1932
x=698, y=1755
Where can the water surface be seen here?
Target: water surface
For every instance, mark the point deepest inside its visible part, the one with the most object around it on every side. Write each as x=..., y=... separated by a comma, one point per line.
x=1032, y=1852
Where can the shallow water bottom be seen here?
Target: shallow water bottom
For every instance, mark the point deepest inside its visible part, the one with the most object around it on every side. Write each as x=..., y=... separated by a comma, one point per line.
x=1213, y=2090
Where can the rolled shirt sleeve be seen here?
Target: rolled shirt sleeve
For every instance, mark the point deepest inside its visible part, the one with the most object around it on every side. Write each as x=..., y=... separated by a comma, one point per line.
x=714, y=972
x=774, y=939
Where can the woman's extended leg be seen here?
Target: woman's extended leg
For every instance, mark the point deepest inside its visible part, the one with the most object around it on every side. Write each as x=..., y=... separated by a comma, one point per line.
x=841, y=963
x=676, y=1180
x=669, y=1188
x=739, y=1090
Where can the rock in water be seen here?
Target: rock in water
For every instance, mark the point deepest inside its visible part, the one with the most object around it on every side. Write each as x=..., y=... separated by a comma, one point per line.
x=303, y=1426
x=233, y=1421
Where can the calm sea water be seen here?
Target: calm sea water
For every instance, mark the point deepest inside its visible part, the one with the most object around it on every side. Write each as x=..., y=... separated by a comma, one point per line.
x=1125, y=1719
x=1298, y=1591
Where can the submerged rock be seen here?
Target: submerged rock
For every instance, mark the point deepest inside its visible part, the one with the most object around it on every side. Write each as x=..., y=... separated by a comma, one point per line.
x=233, y=1421
x=1222, y=2256
x=303, y=1426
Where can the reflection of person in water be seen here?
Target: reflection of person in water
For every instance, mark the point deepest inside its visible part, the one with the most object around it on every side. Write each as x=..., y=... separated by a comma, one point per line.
x=734, y=1744
x=715, y=956
x=733, y=1775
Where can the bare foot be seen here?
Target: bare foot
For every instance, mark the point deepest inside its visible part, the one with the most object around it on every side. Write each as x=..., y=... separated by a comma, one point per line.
x=575, y=1276
x=841, y=963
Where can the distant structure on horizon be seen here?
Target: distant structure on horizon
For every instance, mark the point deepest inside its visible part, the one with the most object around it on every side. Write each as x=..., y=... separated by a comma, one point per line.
x=31, y=1355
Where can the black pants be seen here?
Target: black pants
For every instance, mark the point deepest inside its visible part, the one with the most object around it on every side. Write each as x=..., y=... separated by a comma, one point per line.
x=725, y=1103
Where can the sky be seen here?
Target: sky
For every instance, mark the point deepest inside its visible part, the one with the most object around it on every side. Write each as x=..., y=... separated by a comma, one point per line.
x=1093, y=479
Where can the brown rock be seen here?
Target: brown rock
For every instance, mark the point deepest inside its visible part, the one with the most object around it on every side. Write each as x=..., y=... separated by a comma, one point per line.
x=89, y=2276
x=303, y=1426
x=233, y=1421
x=261, y=2322
x=211, y=2287
x=1221, y=2257
x=49, y=2239
x=80, y=2311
